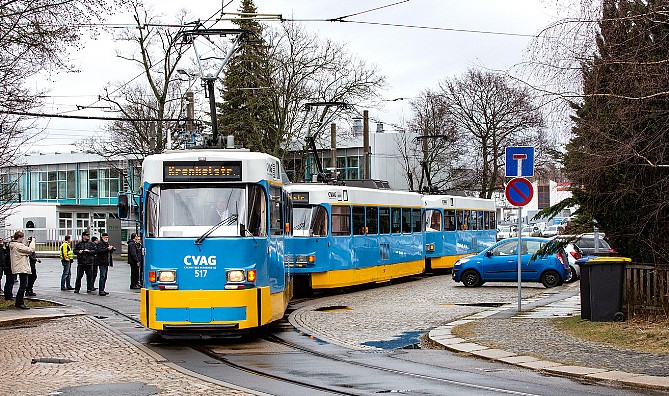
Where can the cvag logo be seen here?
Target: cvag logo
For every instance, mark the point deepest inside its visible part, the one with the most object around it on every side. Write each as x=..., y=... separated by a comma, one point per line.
x=199, y=260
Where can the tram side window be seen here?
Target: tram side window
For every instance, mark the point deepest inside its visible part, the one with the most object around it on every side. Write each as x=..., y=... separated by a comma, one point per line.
x=474, y=220
x=372, y=220
x=433, y=216
x=449, y=220
x=396, y=220
x=486, y=220
x=320, y=222
x=276, y=210
x=466, y=220
x=257, y=225
x=341, y=220
x=493, y=226
x=384, y=220
x=415, y=217
x=481, y=222
x=358, y=220
x=406, y=221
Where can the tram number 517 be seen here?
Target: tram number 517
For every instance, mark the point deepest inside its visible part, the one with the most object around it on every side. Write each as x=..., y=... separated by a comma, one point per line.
x=200, y=273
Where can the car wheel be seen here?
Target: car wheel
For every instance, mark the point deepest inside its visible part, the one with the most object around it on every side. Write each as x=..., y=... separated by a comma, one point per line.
x=551, y=278
x=572, y=276
x=471, y=278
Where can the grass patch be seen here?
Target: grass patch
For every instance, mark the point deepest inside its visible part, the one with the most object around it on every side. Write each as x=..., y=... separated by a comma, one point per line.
x=4, y=304
x=643, y=336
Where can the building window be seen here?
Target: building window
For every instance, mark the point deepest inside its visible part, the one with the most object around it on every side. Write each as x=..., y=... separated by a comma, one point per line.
x=543, y=197
x=92, y=183
x=108, y=183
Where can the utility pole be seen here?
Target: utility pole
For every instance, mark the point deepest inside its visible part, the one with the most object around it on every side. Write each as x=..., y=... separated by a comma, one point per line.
x=365, y=144
x=190, y=111
x=333, y=149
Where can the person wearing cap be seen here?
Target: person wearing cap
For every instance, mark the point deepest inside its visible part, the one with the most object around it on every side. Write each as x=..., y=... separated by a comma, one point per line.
x=103, y=261
x=85, y=251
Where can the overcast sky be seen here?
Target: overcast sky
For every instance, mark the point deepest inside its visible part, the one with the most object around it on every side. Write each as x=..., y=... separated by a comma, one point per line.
x=457, y=35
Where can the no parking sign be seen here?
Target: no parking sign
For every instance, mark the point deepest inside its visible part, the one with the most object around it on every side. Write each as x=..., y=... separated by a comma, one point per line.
x=519, y=191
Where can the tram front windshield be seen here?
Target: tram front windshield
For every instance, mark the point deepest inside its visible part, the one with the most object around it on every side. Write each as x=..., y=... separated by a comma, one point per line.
x=190, y=211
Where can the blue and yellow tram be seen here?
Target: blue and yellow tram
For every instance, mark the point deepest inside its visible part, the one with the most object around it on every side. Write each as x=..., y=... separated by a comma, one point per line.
x=214, y=223
x=345, y=236
x=457, y=226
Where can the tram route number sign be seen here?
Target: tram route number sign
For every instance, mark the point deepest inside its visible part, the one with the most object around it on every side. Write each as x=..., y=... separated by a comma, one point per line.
x=199, y=171
x=519, y=191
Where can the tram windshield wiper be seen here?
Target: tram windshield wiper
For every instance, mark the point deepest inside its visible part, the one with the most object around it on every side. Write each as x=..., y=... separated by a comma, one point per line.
x=230, y=220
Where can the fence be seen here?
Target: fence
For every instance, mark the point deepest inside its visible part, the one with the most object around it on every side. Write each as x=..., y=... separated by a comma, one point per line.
x=49, y=239
x=647, y=290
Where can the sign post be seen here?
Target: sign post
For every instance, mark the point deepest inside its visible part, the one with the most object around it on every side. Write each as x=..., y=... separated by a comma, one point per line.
x=519, y=192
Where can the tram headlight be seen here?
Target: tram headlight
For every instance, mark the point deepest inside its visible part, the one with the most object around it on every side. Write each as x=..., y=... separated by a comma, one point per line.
x=235, y=276
x=167, y=276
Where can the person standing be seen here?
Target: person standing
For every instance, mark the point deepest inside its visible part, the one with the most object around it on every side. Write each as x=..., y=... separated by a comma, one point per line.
x=94, y=273
x=103, y=261
x=33, y=272
x=85, y=251
x=19, y=254
x=135, y=260
x=7, y=270
x=66, y=258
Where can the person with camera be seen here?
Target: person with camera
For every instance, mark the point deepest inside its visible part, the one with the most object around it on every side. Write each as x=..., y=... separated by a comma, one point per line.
x=19, y=255
x=103, y=261
x=33, y=272
x=85, y=251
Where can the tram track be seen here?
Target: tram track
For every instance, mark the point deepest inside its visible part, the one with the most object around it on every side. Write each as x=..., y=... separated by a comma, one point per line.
x=267, y=336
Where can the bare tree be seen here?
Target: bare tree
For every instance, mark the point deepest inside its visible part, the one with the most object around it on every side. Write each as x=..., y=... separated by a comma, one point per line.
x=36, y=37
x=151, y=105
x=435, y=148
x=307, y=69
x=490, y=113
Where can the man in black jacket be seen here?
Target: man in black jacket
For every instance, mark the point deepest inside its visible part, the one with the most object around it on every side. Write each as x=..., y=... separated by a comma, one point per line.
x=103, y=261
x=85, y=251
x=135, y=260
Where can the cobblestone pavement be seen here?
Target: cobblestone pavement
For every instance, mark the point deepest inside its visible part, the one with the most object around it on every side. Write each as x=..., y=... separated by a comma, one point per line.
x=98, y=355
x=367, y=318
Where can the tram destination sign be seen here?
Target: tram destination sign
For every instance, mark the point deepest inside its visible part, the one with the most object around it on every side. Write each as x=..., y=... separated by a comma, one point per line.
x=300, y=197
x=199, y=171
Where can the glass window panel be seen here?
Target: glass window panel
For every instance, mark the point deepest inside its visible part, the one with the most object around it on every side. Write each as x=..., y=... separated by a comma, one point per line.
x=372, y=220
x=396, y=220
x=415, y=218
x=406, y=221
x=92, y=188
x=433, y=220
x=384, y=220
x=341, y=220
x=92, y=173
x=449, y=220
x=358, y=220
x=62, y=190
x=83, y=184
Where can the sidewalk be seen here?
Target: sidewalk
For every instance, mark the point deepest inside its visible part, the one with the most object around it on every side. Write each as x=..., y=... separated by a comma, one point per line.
x=527, y=339
x=63, y=350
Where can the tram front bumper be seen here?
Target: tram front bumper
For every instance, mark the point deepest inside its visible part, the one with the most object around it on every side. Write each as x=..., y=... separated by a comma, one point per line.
x=205, y=309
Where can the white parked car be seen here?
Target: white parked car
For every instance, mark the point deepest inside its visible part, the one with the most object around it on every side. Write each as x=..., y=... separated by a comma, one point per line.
x=530, y=231
x=504, y=232
x=553, y=230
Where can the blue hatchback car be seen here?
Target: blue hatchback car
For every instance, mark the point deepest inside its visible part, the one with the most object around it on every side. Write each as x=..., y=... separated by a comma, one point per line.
x=499, y=263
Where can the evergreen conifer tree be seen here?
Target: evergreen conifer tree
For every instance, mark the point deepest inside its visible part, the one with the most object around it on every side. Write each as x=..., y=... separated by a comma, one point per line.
x=245, y=112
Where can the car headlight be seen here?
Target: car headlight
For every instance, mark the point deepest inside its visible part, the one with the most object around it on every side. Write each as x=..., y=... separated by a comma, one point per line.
x=167, y=276
x=235, y=276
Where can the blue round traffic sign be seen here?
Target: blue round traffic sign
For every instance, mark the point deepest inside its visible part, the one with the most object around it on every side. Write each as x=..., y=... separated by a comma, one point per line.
x=519, y=191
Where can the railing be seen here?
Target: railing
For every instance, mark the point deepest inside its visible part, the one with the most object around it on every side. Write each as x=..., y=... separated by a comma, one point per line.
x=647, y=290
x=50, y=239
